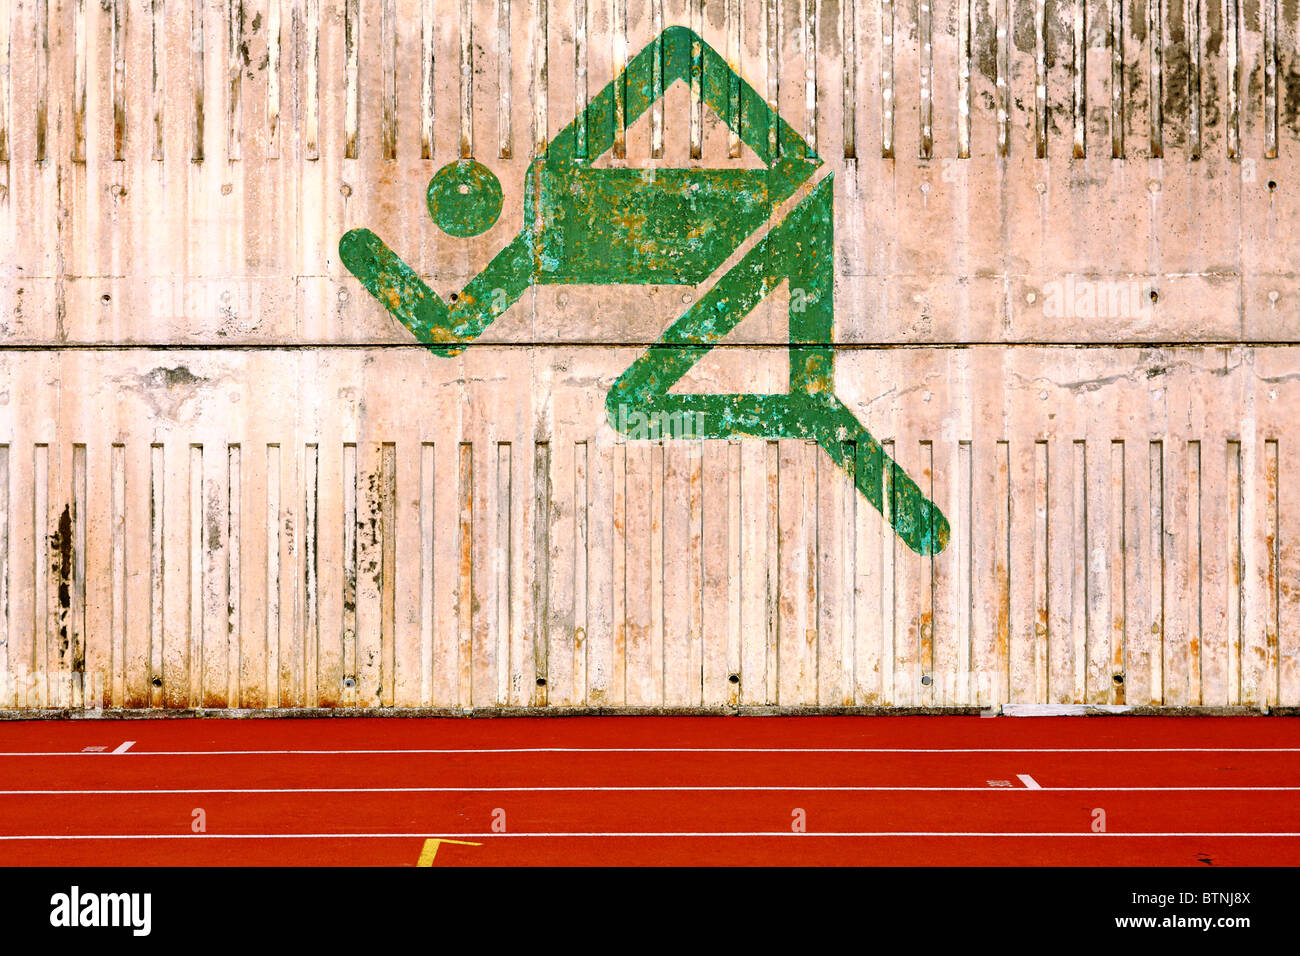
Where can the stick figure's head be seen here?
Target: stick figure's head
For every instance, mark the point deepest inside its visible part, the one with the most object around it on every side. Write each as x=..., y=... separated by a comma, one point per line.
x=464, y=198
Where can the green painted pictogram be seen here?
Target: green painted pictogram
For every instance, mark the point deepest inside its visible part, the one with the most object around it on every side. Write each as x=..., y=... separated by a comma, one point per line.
x=464, y=198
x=597, y=226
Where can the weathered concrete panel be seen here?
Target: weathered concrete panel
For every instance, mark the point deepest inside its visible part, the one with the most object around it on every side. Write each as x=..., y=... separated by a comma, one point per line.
x=1060, y=300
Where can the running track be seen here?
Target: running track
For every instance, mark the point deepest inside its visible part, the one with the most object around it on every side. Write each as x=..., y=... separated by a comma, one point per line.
x=652, y=790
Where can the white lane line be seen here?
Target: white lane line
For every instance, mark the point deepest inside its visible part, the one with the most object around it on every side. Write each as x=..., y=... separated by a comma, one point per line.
x=1086, y=834
x=124, y=746
x=1029, y=782
x=699, y=789
x=682, y=750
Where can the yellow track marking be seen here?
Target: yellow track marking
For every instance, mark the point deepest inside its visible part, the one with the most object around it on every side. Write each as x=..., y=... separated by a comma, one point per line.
x=431, y=849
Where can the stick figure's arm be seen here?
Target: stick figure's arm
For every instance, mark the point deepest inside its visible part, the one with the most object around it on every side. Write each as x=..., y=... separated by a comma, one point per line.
x=410, y=300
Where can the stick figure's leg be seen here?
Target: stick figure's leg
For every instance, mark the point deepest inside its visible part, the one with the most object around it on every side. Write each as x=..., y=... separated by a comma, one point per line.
x=798, y=250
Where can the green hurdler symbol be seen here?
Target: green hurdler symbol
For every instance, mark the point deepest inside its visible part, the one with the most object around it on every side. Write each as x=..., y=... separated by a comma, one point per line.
x=597, y=226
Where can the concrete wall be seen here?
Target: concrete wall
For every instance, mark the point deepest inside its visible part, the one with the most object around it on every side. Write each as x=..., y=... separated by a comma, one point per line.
x=1064, y=303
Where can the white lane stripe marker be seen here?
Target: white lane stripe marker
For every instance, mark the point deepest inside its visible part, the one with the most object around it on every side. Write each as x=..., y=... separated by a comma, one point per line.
x=1028, y=781
x=699, y=789
x=124, y=746
x=683, y=750
x=615, y=834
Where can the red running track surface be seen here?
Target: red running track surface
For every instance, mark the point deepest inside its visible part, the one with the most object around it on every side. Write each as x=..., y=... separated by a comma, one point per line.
x=651, y=790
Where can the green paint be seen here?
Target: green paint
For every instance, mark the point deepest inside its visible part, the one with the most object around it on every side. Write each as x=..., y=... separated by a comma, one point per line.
x=602, y=226
x=464, y=198
x=668, y=226
x=672, y=228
